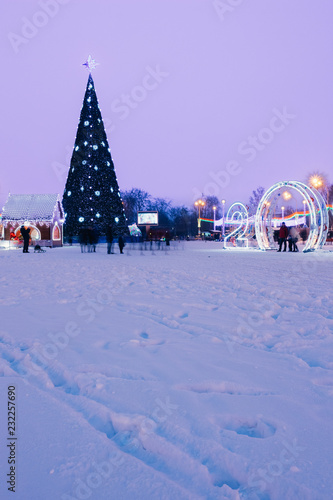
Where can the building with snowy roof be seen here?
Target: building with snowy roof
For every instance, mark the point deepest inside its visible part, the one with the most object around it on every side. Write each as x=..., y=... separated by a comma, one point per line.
x=45, y=215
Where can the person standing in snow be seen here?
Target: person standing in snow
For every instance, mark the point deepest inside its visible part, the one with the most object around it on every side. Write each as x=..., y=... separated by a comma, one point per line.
x=292, y=239
x=25, y=231
x=283, y=234
x=109, y=238
x=121, y=243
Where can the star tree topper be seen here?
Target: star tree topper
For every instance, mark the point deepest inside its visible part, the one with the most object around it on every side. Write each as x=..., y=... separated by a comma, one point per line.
x=90, y=63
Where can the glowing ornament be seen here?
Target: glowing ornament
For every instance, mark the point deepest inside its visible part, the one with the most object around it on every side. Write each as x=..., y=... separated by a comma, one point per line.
x=116, y=219
x=69, y=193
x=85, y=143
x=90, y=64
x=81, y=219
x=108, y=163
x=76, y=148
x=95, y=147
x=84, y=162
x=82, y=188
x=86, y=123
x=98, y=215
x=97, y=193
x=111, y=189
x=95, y=167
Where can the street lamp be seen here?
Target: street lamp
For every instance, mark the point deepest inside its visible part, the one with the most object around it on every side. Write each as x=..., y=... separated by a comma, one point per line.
x=199, y=203
x=223, y=231
x=282, y=208
x=214, y=208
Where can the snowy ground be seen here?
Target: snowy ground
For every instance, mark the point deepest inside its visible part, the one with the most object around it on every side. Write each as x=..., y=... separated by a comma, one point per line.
x=194, y=374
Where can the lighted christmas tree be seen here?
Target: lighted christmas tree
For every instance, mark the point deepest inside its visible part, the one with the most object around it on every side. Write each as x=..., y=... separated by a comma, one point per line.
x=92, y=196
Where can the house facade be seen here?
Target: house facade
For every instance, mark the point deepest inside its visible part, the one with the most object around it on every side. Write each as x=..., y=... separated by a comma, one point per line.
x=45, y=215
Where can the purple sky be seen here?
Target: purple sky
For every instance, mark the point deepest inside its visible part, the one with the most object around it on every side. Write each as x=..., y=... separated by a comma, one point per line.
x=191, y=94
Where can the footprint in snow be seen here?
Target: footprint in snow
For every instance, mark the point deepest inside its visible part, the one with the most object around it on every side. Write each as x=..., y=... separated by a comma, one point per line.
x=250, y=427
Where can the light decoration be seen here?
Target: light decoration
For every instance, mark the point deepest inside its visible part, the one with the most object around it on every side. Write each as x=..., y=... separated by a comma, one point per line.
x=77, y=148
x=81, y=219
x=116, y=219
x=98, y=215
x=237, y=215
x=317, y=212
x=85, y=184
x=90, y=63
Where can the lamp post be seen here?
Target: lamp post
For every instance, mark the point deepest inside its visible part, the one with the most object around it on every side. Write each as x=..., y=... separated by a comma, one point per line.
x=223, y=230
x=214, y=209
x=282, y=208
x=199, y=203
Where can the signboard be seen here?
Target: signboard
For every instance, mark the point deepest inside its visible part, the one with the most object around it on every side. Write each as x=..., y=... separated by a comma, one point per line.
x=147, y=218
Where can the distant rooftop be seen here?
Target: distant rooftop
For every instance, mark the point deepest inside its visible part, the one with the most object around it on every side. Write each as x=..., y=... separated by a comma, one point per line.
x=31, y=207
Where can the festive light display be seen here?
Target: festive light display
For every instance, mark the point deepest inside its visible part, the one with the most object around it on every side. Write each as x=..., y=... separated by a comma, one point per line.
x=239, y=216
x=317, y=210
x=91, y=195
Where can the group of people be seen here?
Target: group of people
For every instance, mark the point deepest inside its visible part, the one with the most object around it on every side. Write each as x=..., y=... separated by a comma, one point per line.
x=89, y=237
x=290, y=236
x=110, y=238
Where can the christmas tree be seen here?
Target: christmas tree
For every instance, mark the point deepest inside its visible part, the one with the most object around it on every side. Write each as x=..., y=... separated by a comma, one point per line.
x=92, y=196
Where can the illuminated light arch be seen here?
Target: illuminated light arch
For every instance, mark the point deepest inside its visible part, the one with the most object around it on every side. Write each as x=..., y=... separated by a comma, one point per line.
x=317, y=212
x=237, y=215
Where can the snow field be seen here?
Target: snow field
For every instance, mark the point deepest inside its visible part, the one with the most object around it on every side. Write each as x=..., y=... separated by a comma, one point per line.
x=193, y=374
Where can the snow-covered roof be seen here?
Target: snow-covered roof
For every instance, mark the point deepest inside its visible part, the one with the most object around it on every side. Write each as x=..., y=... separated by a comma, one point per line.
x=31, y=207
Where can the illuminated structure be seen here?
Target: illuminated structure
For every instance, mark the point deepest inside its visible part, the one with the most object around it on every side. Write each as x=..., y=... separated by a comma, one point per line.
x=92, y=196
x=237, y=215
x=318, y=215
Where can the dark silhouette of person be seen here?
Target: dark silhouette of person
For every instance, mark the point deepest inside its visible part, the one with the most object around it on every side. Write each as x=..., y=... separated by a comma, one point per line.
x=283, y=234
x=95, y=237
x=121, y=243
x=109, y=238
x=83, y=238
x=25, y=231
x=292, y=239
